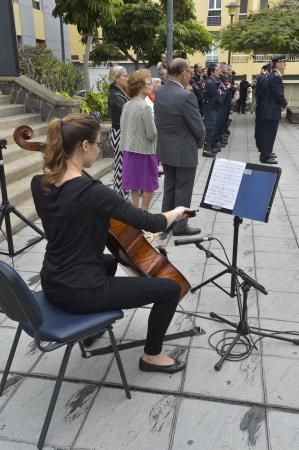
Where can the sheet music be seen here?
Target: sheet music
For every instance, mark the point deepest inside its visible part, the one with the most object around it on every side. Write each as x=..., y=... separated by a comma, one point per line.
x=224, y=183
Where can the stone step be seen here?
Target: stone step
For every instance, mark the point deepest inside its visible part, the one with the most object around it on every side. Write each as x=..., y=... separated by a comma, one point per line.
x=20, y=168
x=4, y=99
x=39, y=129
x=20, y=119
x=24, y=204
x=11, y=110
x=19, y=190
x=14, y=152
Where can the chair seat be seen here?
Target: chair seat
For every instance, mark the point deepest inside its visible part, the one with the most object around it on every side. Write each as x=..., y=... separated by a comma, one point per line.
x=60, y=326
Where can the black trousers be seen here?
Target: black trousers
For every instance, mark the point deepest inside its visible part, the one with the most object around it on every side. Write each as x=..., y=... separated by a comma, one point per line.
x=242, y=103
x=123, y=293
x=178, y=188
x=268, y=135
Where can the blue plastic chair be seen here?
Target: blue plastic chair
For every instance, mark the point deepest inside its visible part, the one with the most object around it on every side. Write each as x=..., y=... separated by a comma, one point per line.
x=51, y=328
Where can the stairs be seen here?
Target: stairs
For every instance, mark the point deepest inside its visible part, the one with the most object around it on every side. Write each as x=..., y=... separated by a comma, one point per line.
x=20, y=165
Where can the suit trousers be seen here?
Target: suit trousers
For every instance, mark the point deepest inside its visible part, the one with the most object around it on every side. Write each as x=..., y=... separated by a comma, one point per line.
x=268, y=135
x=178, y=188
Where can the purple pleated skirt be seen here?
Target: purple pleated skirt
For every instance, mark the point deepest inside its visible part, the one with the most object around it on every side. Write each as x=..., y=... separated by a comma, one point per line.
x=140, y=172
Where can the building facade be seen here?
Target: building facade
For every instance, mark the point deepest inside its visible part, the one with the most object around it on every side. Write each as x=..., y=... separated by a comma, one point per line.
x=35, y=25
x=214, y=15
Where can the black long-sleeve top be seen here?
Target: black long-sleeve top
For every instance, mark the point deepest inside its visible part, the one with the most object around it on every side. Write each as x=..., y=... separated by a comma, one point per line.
x=75, y=217
x=116, y=101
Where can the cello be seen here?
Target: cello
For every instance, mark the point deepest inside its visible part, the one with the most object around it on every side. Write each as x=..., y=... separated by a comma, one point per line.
x=127, y=244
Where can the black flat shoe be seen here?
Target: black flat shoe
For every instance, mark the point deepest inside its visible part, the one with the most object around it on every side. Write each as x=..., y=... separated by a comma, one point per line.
x=177, y=366
x=188, y=231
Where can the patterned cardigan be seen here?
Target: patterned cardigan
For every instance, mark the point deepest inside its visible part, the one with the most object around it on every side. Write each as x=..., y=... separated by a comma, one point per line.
x=138, y=133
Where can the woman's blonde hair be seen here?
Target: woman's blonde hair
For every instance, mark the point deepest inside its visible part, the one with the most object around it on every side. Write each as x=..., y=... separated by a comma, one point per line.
x=137, y=81
x=115, y=72
x=63, y=137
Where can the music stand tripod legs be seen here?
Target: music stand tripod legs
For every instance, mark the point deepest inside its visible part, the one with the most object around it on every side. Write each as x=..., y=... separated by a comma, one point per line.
x=242, y=327
x=6, y=209
x=232, y=292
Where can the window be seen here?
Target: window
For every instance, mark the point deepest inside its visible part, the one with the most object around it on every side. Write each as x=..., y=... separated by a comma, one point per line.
x=264, y=4
x=243, y=9
x=36, y=4
x=75, y=57
x=213, y=55
x=214, y=14
x=40, y=43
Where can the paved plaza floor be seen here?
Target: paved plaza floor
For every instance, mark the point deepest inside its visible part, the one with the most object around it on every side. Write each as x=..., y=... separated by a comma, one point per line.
x=249, y=404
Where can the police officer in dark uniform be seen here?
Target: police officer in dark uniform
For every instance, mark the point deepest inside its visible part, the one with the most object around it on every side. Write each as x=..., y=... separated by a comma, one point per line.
x=259, y=96
x=212, y=109
x=273, y=103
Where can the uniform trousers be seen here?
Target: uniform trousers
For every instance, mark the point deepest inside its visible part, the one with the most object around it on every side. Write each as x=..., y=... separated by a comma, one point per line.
x=268, y=135
x=211, y=120
x=122, y=293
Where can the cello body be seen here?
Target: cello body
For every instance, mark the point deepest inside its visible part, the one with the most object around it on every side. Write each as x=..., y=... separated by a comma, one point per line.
x=132, y=250
x=126, y=243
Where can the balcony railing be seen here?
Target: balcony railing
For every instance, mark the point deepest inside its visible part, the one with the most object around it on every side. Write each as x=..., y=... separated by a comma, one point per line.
x=267, y=58
x=240, y=58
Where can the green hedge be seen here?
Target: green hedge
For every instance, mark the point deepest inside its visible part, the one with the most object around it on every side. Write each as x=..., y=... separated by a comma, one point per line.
x=41, y=65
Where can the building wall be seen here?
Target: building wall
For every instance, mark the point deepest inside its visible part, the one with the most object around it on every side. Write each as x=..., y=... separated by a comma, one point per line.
x=53, y=34
x=37, y=26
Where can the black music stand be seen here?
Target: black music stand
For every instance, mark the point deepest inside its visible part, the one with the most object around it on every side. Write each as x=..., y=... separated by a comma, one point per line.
x=244, y=191
x=6, y=209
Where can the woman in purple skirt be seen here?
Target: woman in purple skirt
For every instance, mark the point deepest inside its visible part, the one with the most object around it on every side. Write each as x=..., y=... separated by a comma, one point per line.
x=138, y=141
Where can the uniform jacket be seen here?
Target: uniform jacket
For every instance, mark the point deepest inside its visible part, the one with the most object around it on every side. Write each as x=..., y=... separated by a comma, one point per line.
x=212, y=94
x=274, y=98
x=180, y=128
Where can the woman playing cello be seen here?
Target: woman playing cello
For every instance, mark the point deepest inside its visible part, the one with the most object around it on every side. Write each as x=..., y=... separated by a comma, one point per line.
x=75, y=211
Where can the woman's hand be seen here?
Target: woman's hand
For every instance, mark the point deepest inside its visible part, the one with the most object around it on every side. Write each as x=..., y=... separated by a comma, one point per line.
x=179, y=213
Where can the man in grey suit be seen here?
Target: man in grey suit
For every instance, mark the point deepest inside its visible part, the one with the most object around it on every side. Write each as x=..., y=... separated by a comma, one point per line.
x=180, y=134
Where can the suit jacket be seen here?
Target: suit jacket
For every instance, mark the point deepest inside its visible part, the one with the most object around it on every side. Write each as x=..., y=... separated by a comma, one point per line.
x=274, y=98
x=179, y=125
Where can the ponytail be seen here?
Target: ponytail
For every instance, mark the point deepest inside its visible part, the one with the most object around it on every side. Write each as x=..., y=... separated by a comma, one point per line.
x=54, y=165
x=63, y=137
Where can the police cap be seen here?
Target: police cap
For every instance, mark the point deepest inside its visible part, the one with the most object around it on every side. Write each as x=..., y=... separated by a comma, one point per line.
x=280, y=57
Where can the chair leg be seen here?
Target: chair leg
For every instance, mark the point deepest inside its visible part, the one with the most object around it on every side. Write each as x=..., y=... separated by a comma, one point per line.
x=119, y=363
x=54, y=397
x=10, y=358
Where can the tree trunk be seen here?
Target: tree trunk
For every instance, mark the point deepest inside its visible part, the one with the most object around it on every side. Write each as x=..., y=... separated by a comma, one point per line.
x=86, y=61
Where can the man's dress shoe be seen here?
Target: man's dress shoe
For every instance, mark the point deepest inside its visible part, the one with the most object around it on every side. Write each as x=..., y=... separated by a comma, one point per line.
x=268, y=161
x=188, y=231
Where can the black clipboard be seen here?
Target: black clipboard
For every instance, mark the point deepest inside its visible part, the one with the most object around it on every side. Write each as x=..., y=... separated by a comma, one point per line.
x=254, y=189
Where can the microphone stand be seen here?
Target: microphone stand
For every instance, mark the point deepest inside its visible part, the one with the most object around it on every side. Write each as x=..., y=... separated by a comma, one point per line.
x=242, y=327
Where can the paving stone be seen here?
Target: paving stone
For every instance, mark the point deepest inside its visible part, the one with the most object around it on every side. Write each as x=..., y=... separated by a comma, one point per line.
x=229, y=382
x=284, y=430
x=23, y=416
x=206, y=425
x=143, y=422
x=26, y=355
x=281, y=380
x=279, y=305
